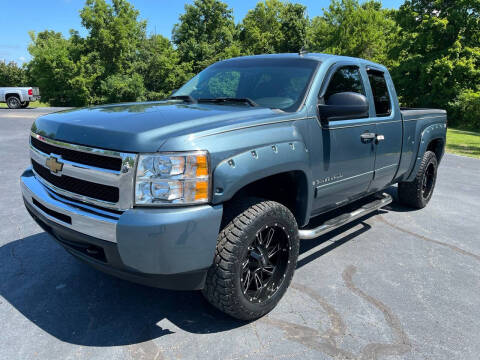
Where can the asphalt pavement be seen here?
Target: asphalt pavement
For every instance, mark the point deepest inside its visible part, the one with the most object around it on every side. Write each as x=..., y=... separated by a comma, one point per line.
x=399, y=284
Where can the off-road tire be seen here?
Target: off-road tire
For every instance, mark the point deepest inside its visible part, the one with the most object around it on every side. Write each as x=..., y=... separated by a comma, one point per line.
x=413, y=193
x=13, y=102
x=25, y=104
x=223, y=287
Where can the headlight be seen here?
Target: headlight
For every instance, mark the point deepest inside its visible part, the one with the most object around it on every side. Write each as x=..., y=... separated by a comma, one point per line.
x=172, y=178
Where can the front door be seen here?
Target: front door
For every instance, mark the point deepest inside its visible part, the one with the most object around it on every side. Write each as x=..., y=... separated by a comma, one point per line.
x=346, y=148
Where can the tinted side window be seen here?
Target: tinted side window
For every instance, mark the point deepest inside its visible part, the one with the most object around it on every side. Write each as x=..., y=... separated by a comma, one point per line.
x=345, y=79
x=381, y=97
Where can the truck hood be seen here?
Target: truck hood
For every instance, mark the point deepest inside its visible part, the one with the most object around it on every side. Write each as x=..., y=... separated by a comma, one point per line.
x=143, y=127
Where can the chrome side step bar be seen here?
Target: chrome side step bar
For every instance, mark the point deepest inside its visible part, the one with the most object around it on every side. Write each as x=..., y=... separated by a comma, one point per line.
x=335, y=223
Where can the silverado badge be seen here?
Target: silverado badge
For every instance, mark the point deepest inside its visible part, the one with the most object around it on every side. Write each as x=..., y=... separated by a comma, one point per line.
x=53, y=164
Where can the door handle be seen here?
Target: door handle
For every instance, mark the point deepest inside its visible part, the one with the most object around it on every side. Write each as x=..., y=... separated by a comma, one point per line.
x=379, y=138
x=368, y=136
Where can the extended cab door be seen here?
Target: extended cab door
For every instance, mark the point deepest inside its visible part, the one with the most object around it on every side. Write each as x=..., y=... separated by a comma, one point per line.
x=389, y=132
x=343, y=150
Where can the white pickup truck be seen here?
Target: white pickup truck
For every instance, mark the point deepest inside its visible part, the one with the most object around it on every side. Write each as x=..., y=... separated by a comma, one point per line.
x=19, y=97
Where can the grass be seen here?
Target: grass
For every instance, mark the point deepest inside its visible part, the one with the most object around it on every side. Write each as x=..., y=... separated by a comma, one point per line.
x=33, y=104
x=465, y=143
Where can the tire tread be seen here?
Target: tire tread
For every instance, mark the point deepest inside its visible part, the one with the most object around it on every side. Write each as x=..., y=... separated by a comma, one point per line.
x=219, y=289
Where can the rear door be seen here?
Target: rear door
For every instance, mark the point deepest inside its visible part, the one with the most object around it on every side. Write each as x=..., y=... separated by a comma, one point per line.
x=344, y=169
x=388, y=126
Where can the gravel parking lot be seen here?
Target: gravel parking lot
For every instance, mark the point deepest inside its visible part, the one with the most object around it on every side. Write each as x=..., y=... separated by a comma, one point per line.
x=399, y=284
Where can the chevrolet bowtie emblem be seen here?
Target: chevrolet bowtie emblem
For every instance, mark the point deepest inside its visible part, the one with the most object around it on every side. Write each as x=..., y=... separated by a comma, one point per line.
x=53, y=164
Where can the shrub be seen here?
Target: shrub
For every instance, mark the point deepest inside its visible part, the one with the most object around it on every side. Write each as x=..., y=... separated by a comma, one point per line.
x=464, y=111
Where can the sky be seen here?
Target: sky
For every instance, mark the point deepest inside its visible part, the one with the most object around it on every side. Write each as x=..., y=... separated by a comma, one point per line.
x=62, y=15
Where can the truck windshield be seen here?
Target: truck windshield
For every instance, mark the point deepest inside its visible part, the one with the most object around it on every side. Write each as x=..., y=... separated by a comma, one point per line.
x=275, y=83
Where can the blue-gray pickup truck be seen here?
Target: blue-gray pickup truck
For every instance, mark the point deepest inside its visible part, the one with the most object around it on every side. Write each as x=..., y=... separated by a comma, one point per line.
x=213, y=188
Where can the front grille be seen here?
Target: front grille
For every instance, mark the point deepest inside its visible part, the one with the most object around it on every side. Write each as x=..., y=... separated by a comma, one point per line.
x=100, y=161
x=77, y=186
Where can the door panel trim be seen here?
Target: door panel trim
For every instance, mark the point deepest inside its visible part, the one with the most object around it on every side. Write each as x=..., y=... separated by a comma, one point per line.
x=342, y=180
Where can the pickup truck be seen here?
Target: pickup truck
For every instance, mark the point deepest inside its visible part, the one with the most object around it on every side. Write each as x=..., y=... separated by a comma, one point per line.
x=213, y=188
x=19, y=97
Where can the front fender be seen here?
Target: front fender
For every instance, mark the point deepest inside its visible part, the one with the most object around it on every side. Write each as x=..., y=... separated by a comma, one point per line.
x=430, y=133
x=244, y=168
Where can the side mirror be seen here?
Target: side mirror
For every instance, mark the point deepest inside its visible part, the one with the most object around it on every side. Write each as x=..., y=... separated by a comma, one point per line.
x=343, y=106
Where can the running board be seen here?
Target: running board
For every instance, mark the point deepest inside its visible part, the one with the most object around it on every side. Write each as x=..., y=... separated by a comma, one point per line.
x=335, y=223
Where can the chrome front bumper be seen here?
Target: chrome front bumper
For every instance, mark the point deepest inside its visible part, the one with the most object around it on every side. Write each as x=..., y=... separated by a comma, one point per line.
x=84, y=218
x=156, y=241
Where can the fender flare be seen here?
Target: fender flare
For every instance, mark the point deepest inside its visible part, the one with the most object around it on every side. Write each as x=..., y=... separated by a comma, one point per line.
x=235, y=172
x=17, y=93
x=430, y=133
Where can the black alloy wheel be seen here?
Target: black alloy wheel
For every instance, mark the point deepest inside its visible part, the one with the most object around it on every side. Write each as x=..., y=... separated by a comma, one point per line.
x=255, y=258
x=265, y=264
x=417, y=193
x=428, y=181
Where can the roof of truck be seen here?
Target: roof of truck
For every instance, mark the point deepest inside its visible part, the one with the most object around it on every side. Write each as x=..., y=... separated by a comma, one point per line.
x=320, y=57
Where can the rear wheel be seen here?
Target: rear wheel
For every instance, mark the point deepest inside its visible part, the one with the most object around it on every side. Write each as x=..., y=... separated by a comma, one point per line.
x=418, y=193
x=13, y=102
x=254, y=261
x=25, y=104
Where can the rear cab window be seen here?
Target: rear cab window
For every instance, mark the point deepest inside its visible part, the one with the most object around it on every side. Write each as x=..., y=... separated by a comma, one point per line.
x=381, y=96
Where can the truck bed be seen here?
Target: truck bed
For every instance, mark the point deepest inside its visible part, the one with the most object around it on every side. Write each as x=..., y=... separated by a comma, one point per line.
x=421, y=113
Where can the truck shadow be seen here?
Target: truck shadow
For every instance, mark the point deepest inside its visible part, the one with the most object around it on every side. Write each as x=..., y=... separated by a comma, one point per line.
x=82, y=306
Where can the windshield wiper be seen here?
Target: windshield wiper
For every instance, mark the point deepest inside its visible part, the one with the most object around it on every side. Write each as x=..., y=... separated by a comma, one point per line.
x=186, y=98
x=230, y=99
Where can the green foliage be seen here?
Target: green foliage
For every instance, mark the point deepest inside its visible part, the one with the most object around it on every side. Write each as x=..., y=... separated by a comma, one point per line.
x=115, y=62
x=161, y=67
x=118, y=88
x=205, y=34
x=54, y=71
x=12, y=75
x=439, y=56
x=114, y=34
x=353, y=29
x=466, y=107
x=274, y=27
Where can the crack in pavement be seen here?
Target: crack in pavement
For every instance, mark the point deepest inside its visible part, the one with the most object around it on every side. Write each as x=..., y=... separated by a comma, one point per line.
x=374, y=350
x=326, y=342
x=145, y=351
x=451, y=247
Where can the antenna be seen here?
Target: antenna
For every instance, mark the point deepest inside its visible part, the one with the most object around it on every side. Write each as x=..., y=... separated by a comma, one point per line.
x=303, y=51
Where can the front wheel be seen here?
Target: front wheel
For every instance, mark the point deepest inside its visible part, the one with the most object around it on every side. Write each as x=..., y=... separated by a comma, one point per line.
x=418, y=192
x=255, y=260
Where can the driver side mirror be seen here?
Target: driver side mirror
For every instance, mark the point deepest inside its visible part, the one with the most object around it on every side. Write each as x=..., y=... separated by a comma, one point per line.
x=343, y=106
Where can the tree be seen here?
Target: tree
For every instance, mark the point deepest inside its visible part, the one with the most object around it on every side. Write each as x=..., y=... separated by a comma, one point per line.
x=205, y=34
x=353, y=29
x=12, y=75
x=114, y=34
x=274, y=26
x=54, y=71
x=161, y=67
x=440, y=56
